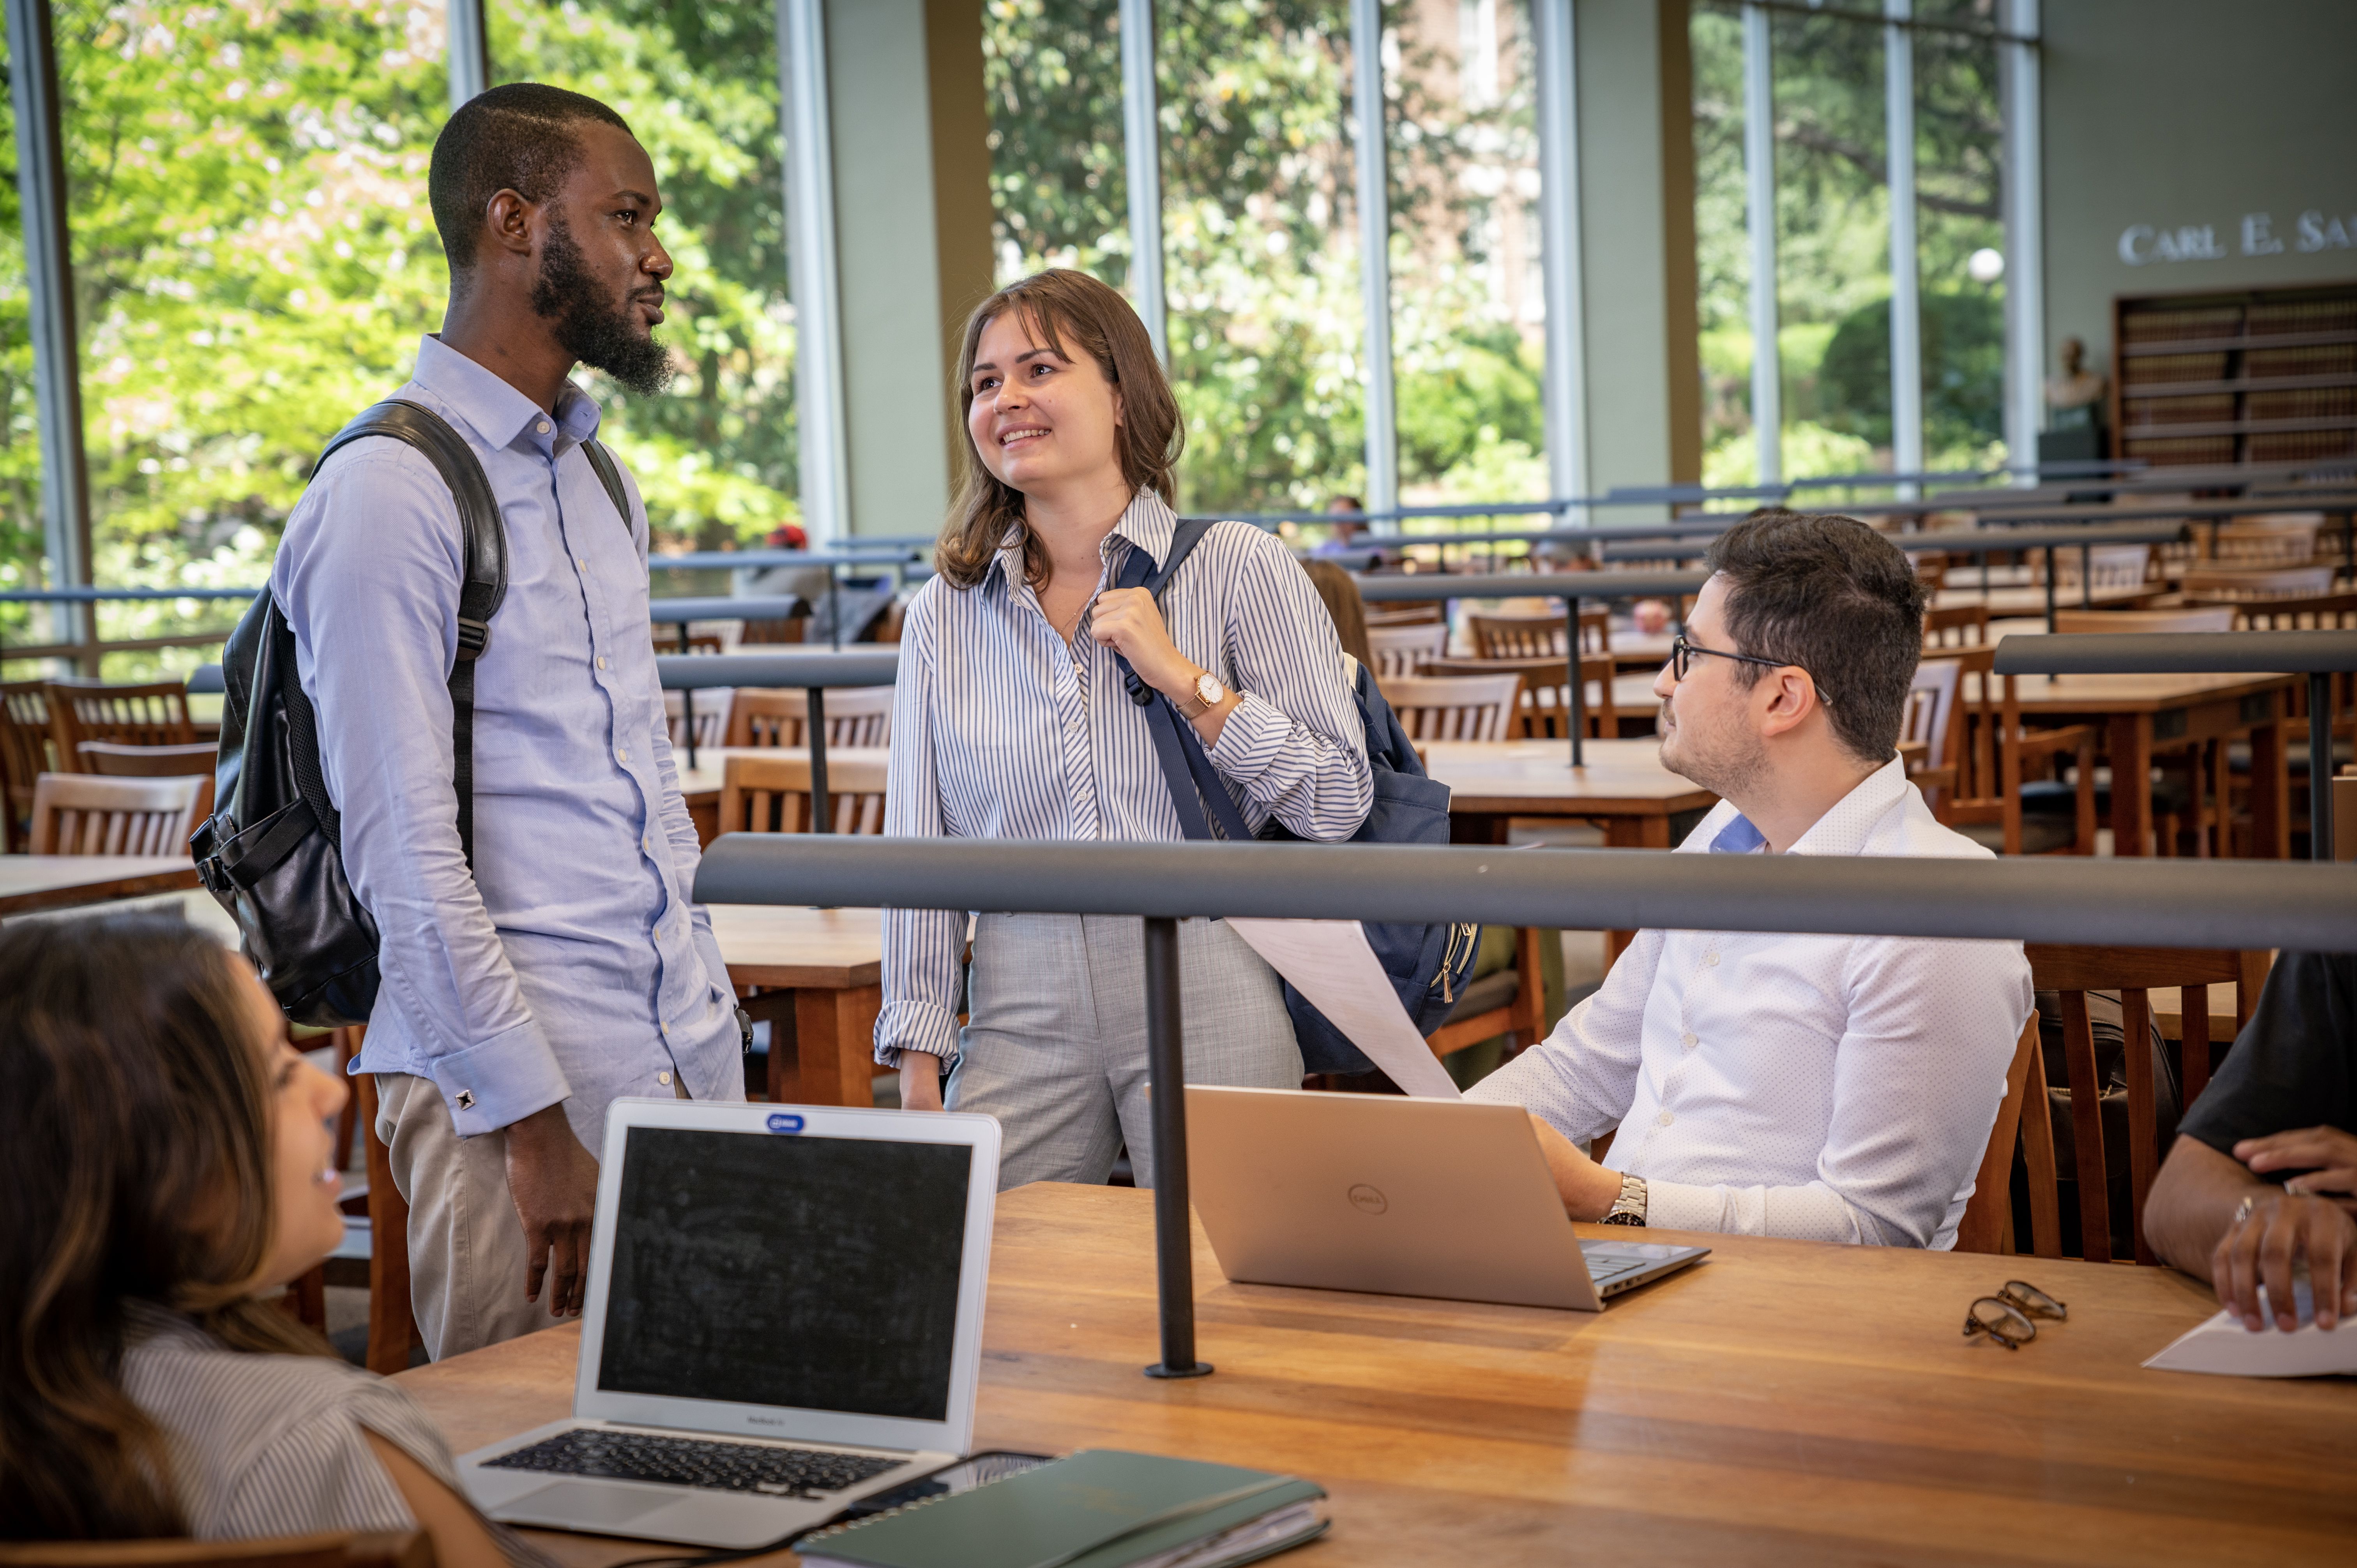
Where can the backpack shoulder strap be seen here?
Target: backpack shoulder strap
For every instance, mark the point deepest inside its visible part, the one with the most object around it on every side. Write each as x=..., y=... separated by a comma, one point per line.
x=602, y=462
x=1188, y=534
x=485, y=582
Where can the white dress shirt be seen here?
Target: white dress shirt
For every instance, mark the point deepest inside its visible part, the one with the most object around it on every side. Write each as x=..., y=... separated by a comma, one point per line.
x=1826, y=1088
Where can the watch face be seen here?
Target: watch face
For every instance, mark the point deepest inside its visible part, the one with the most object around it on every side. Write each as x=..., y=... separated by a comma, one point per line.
x=1208, y=691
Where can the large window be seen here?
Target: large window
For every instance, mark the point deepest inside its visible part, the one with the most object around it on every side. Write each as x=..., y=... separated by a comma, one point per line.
x=20, y=451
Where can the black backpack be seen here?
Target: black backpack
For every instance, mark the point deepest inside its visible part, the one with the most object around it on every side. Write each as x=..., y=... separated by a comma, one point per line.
x=1427, y=963
x=272, y=850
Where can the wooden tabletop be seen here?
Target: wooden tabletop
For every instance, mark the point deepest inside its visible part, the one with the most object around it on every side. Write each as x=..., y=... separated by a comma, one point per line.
x=1534, y=778
x=703, y=782
x=2030, y=601
x=1781, y=1402
x=796, y=948
x=30, y=882
x=2043, y=694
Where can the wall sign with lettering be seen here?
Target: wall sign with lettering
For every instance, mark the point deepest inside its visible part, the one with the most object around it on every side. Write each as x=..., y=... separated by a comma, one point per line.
x=2144, y=244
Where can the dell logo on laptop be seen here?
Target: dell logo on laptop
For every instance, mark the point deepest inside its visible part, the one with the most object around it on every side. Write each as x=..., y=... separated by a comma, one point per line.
x=1367, y=1199
x=782, y=1122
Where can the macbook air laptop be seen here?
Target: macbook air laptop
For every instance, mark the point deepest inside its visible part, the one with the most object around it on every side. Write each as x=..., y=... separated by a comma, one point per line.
x=1375, y=1192
x=784, y=1315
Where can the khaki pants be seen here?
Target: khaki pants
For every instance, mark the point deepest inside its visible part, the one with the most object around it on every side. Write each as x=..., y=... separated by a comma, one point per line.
x=468, y=1259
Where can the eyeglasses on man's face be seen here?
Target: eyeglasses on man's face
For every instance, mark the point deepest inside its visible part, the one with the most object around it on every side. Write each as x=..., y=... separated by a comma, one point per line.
x=1682, y=654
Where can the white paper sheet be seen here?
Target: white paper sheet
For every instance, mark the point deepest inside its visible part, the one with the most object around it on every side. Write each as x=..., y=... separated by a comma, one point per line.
x=1329, y=963
x=2223, y=1346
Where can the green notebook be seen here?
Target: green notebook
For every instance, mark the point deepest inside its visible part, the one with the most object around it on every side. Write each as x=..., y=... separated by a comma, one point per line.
x=1098, y=1508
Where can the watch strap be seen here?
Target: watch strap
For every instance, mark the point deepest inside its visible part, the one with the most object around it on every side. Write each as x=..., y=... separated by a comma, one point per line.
x=1629, y=1208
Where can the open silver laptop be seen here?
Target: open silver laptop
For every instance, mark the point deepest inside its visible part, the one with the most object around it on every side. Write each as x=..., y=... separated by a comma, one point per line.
x=784, y=1315
x=1374, y=1192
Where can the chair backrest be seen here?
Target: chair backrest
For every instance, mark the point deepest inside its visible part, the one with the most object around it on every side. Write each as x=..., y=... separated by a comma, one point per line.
x=856, y=716
x=2215, y=584
x=1988, y=1214
x=77, y=813
x=1544, y=708
x=2285, y=540
x=154, y=713
x=365, y=1549
x=1955, y=626
x=113, y=759
x=2202, y=619
x=1931, y=715
x=1993, y=744
x=26, y=742
x=1398, y=649
x=1454, y=707
x=2135, y=974
x=1931, y=568
x=2107, y=565
x=1517, y=636
x=2325, y=612
x=1404, y=614
x=772, y=794
x=712, y=715
x=667, y=640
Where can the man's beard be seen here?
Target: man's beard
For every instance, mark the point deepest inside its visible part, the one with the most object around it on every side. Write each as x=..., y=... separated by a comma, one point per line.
x=591, y=330
x=1725, y=763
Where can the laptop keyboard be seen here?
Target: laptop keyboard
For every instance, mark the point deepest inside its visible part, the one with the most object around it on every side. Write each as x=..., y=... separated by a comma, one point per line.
x=694, y=1462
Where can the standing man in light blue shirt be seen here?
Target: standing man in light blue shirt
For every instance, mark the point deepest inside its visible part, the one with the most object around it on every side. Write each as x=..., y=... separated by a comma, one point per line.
x=567, y=967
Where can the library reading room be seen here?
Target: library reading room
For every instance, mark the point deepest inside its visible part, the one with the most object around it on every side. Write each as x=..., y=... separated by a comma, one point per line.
x=1158, y=783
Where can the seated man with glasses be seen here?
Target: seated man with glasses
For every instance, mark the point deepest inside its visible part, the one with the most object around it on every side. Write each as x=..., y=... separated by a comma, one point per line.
x=2261, y=1185
x=1828, y=1087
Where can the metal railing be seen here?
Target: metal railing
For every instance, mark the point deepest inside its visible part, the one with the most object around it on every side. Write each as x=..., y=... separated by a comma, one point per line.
x=2145, y=902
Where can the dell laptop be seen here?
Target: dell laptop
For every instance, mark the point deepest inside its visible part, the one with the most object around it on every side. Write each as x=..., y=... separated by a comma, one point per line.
x=784, y=1315
x=1398, y=1196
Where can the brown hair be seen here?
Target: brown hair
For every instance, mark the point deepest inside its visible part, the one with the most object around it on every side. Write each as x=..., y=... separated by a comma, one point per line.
x=1059, y=304
x=1340, y=592
x=135, y=1148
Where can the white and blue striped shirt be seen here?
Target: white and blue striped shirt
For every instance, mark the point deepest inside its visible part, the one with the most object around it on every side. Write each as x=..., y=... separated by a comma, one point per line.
x=1000, y=729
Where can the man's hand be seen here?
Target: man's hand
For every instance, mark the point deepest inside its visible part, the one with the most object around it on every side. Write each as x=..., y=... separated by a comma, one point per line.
x=2262, y=1247
x=920, y=1081
x=1588, y=1189
x=554, y=1181
x=2326, y=1156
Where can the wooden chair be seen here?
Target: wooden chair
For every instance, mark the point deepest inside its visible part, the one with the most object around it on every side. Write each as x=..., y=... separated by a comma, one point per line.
x=2135, y=974
x=1987, y=1223
x=1511, y=1002
x=75, y=813
x=113, y=759
x=1955, y=627
x=712, y=717
x=856, y=716
x=1543, y=711
x=2282, y=540
x=2227, y=584
x=1933, y=719
x=393, y=1323
x=2325, y=612
x=349, y=1549
x=2191, y=620
x=1996, y=754
x=1931, y=568
x=1398, y=649
x=772, y=795
x=26, y=753
x=670, y=638
x=1536, y=637
x=2107, y=566
x=1404, y=614
x=1454, y=707
x=155, y=714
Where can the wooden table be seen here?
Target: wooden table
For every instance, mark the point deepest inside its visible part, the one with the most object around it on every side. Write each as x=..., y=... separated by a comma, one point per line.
x=30, y=882
x=2030, y=601
x=2143, y=711
x=1623, y=786
x=1781, y=1402
x=822, y=972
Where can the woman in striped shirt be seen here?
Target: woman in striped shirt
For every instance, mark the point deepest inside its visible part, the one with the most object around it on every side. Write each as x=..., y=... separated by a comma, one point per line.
x=1011, y=721
x=169, y=1171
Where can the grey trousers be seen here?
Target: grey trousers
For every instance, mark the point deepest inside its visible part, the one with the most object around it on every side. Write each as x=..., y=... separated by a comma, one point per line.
x=468, y=1259
x=1055, y=1043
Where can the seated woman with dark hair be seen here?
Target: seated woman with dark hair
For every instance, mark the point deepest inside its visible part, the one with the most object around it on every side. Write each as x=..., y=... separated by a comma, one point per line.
x=169, y=1170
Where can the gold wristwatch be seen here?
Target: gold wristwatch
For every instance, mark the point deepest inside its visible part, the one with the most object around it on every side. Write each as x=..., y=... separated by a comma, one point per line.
x=1207, y=694
x=1629, y=1208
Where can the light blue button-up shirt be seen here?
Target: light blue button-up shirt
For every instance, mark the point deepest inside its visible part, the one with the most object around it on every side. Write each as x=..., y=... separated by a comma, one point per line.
x=570, y=965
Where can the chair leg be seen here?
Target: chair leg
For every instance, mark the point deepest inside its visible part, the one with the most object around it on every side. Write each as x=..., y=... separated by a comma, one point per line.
x=348, y=1046
x=393, y=1323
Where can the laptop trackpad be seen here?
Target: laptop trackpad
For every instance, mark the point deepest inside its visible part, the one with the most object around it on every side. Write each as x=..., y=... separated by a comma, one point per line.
x=584, y=1505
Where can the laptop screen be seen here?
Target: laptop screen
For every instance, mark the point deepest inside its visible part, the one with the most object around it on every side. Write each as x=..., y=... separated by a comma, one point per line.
x=820, y=1274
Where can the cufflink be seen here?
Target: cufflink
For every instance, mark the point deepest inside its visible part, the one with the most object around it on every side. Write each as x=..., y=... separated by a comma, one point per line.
x=466, y=1099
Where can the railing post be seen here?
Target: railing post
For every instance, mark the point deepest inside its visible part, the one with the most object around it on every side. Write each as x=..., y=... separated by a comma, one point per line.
x=814, y=732
x=1166, y=1073
x=1578, y=706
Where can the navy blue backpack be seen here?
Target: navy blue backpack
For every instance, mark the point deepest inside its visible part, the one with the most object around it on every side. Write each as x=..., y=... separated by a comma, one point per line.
x=1427, y=964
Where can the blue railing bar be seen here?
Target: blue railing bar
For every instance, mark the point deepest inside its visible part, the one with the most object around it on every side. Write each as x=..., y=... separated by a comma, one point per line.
x=679, y=611
x=104, y=595
x=1418, y=588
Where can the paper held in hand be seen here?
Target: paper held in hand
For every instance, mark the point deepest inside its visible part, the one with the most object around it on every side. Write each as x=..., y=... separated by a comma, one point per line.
x=2224, y=1344
x=1329, y=963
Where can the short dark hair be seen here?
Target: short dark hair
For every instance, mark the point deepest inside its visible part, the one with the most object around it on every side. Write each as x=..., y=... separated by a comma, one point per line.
x=1837, y=598
x=518, y=137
